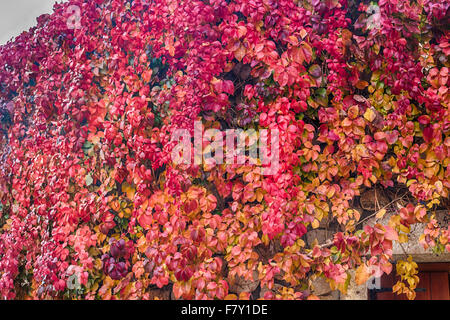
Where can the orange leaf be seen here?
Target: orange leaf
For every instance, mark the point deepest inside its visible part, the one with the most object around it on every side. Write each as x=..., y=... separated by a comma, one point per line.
x=361, y=84
x=390, y=233
x=240, y=53
x=362, y=274
x=370, y=115
x=307, y=51
x=297, y=55
x=381, y=213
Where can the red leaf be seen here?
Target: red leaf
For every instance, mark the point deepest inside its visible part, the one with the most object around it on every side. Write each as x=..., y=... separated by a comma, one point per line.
x=390, y=233
x=228, y=87
x=428, y=134
x=392, y=137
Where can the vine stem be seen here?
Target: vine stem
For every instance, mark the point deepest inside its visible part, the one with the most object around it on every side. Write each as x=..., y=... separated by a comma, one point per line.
x=330, y=242
x=375, y=213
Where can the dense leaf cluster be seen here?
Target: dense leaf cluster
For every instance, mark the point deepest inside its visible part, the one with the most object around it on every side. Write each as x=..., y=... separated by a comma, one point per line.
x=93, y=207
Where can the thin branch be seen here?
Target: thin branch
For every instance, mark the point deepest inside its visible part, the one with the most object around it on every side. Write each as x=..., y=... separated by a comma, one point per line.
x=375, y=213
x=327, y=244
x=330, y=242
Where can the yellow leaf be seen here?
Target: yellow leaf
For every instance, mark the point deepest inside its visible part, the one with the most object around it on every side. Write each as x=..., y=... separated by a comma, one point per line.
x=370, y=115
x=129, y=190
x=101, y=237
x=362, y=274
x=315, y=224
x=404, y=228
x=410, y=182
x=361, y=84
x=402, y=238
x=127, y=212
x=331, y=192
x=265, y=239
x=240, y=53
x=244, y=296
x=443, y=239
x=242, y=31
x=411, y=294
x=94, y=287
x=303, y=33
x=439, y=186
x=259, y=195
x=398, y=287
x=381, y=213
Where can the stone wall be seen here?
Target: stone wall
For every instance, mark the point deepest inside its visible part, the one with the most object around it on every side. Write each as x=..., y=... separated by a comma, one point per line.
x=320, y=285
x=413, y=248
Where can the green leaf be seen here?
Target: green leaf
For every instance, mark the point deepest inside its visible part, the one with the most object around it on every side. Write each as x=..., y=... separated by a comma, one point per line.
x=321, y=92
x=87, y=145
x=315, y=71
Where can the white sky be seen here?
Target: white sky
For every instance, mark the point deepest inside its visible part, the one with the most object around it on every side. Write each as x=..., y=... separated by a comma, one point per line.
x=17, y=16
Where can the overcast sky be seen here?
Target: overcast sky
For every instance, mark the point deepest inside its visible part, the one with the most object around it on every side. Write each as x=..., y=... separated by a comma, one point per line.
x=20, y=15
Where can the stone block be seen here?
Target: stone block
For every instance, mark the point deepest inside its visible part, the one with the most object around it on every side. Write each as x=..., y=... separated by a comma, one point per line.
x=354, y=291
x=319, y=234
x=320, y=287
x=333, y=295
x=239, y=284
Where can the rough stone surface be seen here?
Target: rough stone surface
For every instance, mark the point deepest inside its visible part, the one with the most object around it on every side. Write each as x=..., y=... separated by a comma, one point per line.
x=276, y=287
x=413, y=248
x=320, y=287
x=161, y=294
x=239, y=284
x=372, y=199
x=333, y=295
x=320, y=235
x=267, y=252
x=355, y=292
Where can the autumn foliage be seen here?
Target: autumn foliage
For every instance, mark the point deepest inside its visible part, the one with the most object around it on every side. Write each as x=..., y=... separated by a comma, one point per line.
x=90, y=195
